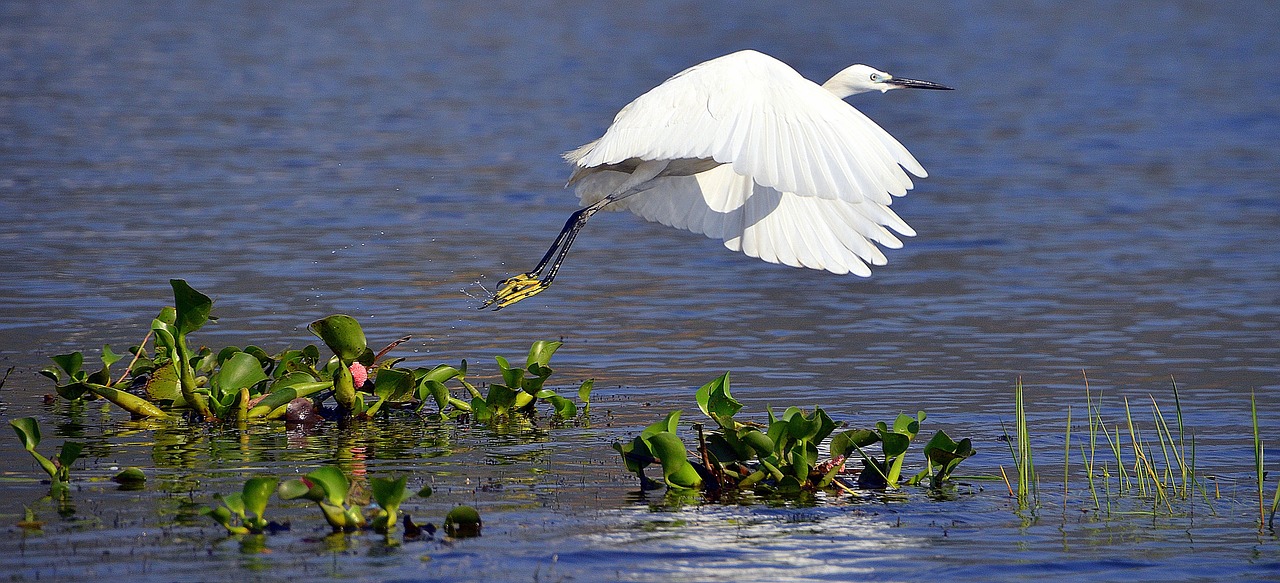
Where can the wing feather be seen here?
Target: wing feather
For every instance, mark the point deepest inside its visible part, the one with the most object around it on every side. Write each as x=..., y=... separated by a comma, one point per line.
x=757, y=114
x=778, y=227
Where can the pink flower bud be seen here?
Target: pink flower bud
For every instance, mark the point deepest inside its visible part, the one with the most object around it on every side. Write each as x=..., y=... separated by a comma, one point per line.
x=359, y=374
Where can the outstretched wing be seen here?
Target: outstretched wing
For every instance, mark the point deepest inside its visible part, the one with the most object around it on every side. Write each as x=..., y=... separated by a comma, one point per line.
x=755, y=113
x=779, y=227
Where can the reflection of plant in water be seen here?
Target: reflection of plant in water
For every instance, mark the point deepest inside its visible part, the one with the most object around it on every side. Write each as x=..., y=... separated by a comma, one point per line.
x=781, y=457
x=242, y=384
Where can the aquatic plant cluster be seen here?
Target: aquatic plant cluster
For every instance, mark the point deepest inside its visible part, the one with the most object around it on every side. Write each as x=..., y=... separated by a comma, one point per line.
x=295, y=384
x=782, y=457
x=329, y=488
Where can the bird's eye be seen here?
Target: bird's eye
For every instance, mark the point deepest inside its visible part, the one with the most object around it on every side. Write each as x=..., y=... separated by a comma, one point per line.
x=876, y=77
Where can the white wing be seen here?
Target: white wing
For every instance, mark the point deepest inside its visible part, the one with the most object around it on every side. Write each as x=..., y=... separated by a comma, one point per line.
x=778, y=227
x=757, y=114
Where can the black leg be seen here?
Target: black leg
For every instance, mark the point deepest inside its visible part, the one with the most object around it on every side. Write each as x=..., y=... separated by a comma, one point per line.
x=525, y=285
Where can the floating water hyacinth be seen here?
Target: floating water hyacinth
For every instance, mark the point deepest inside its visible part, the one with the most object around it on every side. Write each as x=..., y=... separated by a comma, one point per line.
x=245, y=384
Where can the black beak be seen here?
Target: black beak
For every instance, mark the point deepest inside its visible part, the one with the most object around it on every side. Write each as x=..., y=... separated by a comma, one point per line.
x=915, y=84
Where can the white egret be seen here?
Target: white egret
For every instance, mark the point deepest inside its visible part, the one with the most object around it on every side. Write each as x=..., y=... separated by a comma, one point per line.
x=744, y=149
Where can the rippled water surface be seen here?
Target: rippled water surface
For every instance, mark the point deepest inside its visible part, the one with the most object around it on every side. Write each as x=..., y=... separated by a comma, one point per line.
x=1103, y=197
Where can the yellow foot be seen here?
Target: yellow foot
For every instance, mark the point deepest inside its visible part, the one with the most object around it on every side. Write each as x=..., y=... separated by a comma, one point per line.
x=514, y=289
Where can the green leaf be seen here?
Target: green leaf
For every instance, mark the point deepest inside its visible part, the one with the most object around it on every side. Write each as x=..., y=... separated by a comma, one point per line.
x=533, y=384
x=772, y=469
x=29, y=433
x=221, y=515
x=800, y=427
x=296, y=488
x=907, y=425
x=725, y=448
x=226, y=353
x=716, y=402
x=165, y=338
x=282, y=395
x=163, y=384
x=69, y=453
x=256, y=493
x=669, y=424
x=392, y=383
x=333, y=482
x=440, y=374
x=789, y=485
x=463, y=522
x=825, y=425
x=940, y=443
x=291, y=379
x=28, y=430
x=438, y=391
x=480, y=409
x=946, y=454
x=131, y=475
x=168, y=315
x=500, y=398
x=130, y=402
x=344, y=390
x=541, y=351
x=109, y=358
x=343, y=335
x=676, y=469
x=803, y=456
x=389, y=493
x=70, y=363
x=241, y=370
x=234, y=503
x=260, y=354
x=758, y=441
x=204, y=360
x=337, y=517
x=540, y=372
x=72, y=391
x=635, y=454
x=564, y=407
x=848, y=442
x=191, y=307
x=511, y=376
x=53, y=374
x=584, y=393
x=895, y=444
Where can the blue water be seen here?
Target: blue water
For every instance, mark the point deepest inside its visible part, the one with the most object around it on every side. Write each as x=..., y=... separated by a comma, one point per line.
x=1103, y=197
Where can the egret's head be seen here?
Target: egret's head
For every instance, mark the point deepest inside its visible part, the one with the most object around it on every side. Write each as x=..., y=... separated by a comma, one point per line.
x=861, y=79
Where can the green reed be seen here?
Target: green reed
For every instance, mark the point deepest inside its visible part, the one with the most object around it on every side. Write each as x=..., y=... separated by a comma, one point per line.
x=1027, y=494
x=1266, y=519
x=1156, y=463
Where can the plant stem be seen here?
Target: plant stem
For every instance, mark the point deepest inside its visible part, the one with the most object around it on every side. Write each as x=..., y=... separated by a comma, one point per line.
x=1066, y=463
x=1257, y=458
x=136, y=356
